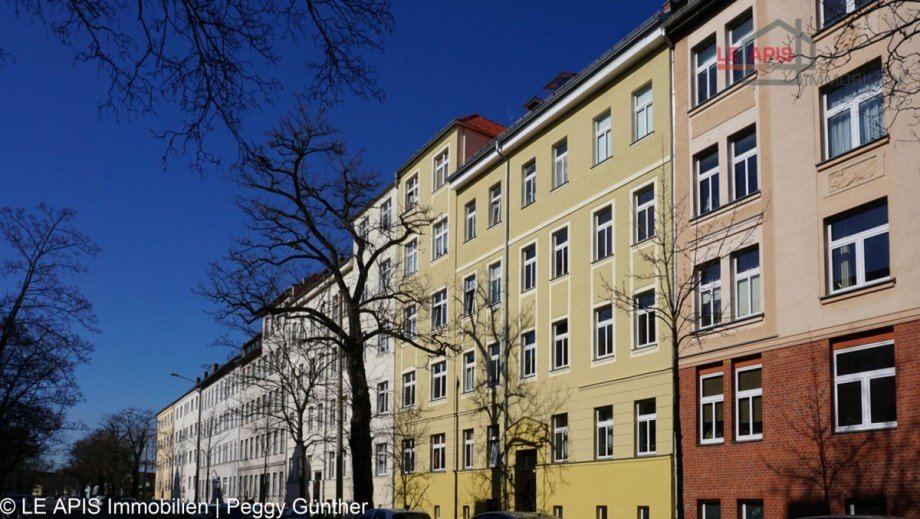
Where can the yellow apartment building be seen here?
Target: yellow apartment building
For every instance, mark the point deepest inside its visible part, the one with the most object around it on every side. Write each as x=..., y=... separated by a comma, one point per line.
x=530, y=233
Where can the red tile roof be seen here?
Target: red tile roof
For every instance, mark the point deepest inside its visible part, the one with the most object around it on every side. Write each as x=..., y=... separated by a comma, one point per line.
x=482, y=125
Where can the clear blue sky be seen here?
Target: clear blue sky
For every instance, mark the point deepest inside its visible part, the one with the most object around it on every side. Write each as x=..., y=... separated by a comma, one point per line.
x=159, y=228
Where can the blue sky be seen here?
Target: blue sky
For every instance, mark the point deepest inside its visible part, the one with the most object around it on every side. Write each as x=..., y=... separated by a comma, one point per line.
x=159, y=227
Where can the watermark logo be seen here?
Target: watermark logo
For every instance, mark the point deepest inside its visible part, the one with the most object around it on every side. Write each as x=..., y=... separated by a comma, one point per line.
x=783, y=50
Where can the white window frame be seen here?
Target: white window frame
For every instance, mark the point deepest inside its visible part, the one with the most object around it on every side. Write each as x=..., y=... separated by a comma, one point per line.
x=441, y=164
x=864, y=378
x=603, y=143
x=750, y=395
x=560, y=340
x=380, y=467
x=851, y=7
x=469, y=295
x=560, y=435
x=713, y=289
x=747, y=276
x=859, y=240
x=495, y=283
x=411, y=254
x=383, y=397
x=469, y=211
x=648, y=315
x=412, y=192
x=408, y=456
x=745, y=503
x=740, y=41
x=439, y=235
x=644, y=213
x=708, y=68
x=469, y=371
x=529, y=268
x=603, y=429
x=712, y=401
x=469, y=450
x=410, y=314
x=386, y=275
x=852, y=105
x=560, y=259
x=495, y=205
x=493, y=446
x=560, y=163
x=528, y=354
x=644, y=112
x=494, y=365
x=439, y=309
x=408, y=389
x=603, y=234
x=439, y=381
x=607, y=326
x=386, y=215
x=749, y=157
x=711, y=176
x=529, y=184
x=649, y=421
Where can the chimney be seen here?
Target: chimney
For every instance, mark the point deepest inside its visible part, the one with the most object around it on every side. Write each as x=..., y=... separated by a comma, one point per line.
x=214, y=367
x=205, y=375
x=197, y=380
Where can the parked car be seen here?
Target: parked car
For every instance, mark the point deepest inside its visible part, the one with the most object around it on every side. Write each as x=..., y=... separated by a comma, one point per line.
x=386, y=513
x=512, y=515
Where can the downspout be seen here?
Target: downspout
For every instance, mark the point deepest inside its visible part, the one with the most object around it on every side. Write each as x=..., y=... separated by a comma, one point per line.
x=506, y=348
x=456, y=442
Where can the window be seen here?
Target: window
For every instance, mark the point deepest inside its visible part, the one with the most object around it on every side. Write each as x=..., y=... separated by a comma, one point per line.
x=386, y=276
x=495, y=284
x=440, y=238
x=833, y=10
x=858, y=247
x=529, y=187
x=383, y=397
x=853, y=111
x=383, y=344
x=710, y=510
x=439, y=380
x=409, y=389
x=410, y=315
x=381, y=457
x=750, y=509
x=557, y=511
x=411, y=250
x=645, y=319
x=866, y=507
x=707, y=181
x=492, y=434
x=748, y=403
x=469, y=294
x=528, y=354
x=603, y=233
x=744, y=163
x=602, y=138
x=386, y=215
x=645, y=214
x=642, y=113
x=864, y=387
x=362, y=229
x=470, y=229
x=408, y=456
x=603, y=332
x=560, y=253
x=601, y=512
x=747, y=282
x=495, y=204
x=561, y=163
x=441, y=165
x=561, y=344
x=529, y=270
x=712, y=402
x=741, y=36
x=704, y=64
x=412, y=192
x=560, y=437
x=642, y=512
x=469, y=371
x=466, y=512
x=710, y=294
x=494, y=367
x=438, y=452
x=468, y=448
x=603, y=432
x=439, y=309
x=645, y=427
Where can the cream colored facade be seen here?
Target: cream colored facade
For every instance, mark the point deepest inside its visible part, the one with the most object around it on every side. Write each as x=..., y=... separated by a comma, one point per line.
x=584, y=384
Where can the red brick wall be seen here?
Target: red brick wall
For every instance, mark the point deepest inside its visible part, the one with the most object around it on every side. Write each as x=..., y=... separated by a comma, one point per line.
x=784, y=469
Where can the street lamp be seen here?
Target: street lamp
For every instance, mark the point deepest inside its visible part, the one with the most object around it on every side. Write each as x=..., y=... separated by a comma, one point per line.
x=197, y=430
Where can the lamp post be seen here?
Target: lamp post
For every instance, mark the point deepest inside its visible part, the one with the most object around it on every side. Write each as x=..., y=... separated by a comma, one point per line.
x=197, y=430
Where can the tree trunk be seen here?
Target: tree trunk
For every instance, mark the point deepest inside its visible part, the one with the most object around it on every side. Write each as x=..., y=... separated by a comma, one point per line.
x=360, y=438
x=302, y=477
x=678, y=433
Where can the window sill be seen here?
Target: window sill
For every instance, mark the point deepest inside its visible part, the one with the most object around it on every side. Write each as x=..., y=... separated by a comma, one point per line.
x=493, y=224
x=467, y=240
x=750, y=439
x=525, y=206
x=598, y=261
x=559, y=371
x=596, y=164
x=843, y=21
x=560, y=186
x=731, y=206
x=600, y=361
x=866, y=428
x=642, y=243
x=875, y=286
x=528, y=291
x=558, y=278
x=741, y=321
x=721, y=95
x=849, y=154
x=710, y=443
x=640, y=139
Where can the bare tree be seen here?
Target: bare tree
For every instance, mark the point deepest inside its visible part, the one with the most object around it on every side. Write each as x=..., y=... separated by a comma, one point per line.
x=41, y=317
x=512, y=404
x=135, y=429
x=674, y=262
x=303, y=198
x=211, y=60
x=410, y=485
